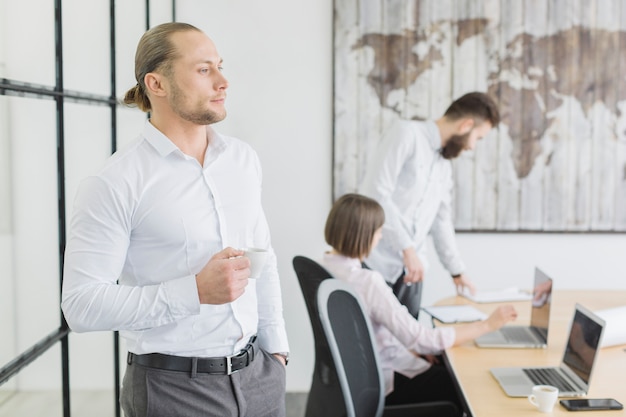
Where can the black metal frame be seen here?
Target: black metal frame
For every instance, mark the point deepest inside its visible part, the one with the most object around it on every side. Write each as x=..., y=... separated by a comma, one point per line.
x=57, y=93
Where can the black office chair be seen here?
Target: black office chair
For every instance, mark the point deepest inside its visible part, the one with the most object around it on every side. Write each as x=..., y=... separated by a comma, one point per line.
x=334, y=389
x=325, y=398
x=350, y=339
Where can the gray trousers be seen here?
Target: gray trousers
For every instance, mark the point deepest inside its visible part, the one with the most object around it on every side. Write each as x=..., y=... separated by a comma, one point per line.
x=255, y=391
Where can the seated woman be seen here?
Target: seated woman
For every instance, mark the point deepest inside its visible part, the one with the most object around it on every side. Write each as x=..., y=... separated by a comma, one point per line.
x=353, y=228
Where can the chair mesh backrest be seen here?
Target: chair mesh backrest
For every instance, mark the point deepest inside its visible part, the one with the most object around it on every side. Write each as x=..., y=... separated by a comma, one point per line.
x=350, y=331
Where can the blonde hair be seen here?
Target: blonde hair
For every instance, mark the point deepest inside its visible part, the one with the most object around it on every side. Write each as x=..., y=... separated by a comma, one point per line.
x=155, y=52
x=351, y=225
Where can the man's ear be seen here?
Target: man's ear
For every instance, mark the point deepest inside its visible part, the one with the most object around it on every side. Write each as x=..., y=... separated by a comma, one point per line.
x=154, y=84
x=465, y=125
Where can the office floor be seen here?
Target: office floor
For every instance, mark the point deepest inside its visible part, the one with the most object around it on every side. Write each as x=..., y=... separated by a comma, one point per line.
x=91, y=404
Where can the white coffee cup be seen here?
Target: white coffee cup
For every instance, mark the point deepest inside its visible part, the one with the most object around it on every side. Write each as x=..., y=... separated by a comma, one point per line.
x=544, y=397
x=257, y=257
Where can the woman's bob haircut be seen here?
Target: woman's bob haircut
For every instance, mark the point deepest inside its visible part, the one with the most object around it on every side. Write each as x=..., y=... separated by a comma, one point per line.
x=351, y=225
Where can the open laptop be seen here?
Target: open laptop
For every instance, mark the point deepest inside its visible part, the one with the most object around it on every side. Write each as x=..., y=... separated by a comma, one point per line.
x=533, y=336
x=572, y=376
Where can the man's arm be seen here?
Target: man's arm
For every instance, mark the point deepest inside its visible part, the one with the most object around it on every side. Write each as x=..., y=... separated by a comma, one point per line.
x=94, y=257
x=414, y=268
x=444, y=240
x=272, y=334
x=271, y=329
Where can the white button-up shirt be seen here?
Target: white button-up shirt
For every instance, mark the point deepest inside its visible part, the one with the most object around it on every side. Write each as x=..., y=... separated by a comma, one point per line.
x=413, y=183
x=151, y=219
x=397, y=333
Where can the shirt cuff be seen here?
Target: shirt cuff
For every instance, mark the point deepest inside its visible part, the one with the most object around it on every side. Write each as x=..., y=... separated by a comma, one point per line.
x=273, y=339
x=404, y=242
x=182, y=296
x=455, y=267
x=448, y=336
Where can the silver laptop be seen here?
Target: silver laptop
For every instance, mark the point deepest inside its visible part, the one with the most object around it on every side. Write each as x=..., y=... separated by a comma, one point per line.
x=572, y=376
x=533, y=336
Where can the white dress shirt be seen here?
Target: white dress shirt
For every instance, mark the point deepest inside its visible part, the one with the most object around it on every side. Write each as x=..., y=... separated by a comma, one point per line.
x=397, y=333
x=413, y=183
x=151, y=219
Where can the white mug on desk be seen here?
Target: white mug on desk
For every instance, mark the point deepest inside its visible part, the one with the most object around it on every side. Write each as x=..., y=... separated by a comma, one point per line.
x=544, y=397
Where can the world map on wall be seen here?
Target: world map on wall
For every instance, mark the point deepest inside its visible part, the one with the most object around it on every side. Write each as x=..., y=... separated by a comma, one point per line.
x=533, y=76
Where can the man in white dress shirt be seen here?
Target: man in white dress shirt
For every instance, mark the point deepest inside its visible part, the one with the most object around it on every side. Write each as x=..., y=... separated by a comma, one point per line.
x=411, y=177
x=154, y=248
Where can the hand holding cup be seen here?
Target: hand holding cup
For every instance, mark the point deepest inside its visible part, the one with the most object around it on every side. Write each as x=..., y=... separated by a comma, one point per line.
x=257, y=257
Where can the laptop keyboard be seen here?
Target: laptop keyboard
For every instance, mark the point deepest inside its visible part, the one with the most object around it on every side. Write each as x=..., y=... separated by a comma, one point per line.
x=516, y=334
x=549, y=376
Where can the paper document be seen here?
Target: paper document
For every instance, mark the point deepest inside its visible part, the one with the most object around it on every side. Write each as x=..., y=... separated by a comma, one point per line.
x=614, y=331
x=455, y=314
x=496, y=296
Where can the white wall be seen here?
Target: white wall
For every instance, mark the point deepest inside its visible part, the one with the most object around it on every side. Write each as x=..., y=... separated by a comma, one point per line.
x=574, y=261
x=278, y=59
x=29, y=244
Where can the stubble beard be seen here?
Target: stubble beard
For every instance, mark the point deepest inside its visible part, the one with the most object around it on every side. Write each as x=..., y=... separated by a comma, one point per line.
x=196, y=115
x=204, y=118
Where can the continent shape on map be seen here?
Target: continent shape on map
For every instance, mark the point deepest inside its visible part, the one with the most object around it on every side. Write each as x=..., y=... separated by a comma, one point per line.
x=530, y=85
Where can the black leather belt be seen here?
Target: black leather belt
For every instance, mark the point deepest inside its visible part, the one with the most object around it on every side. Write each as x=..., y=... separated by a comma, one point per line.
x=222, y=366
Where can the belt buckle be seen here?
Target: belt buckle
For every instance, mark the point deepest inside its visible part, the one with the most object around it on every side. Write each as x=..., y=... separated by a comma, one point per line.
x=248, y=351
x=229, y=365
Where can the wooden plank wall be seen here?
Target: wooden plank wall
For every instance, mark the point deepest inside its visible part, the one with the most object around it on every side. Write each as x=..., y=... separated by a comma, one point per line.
x=558, y=71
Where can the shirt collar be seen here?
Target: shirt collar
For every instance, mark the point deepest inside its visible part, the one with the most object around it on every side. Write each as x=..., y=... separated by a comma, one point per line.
x=341, y=259
x=158, y=140
x=164, y=146
x=434, y=137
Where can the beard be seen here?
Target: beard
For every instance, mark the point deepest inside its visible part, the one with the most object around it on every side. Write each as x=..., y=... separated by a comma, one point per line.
x=196, y=115
x=455, y=145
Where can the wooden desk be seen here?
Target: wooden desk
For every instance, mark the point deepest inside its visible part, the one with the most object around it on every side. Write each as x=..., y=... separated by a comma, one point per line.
x=482, y=392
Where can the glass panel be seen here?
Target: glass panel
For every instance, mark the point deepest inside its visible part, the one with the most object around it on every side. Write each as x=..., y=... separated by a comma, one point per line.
x=31, y=58
x=39, y=394
x=3, y=36
x=43, y=373
x=93, y=352
x=160, y=12
x=87, y=145
x=35, y=259
x=130, y=123
x=7, y=279
x=130, y=18
x=87, y=36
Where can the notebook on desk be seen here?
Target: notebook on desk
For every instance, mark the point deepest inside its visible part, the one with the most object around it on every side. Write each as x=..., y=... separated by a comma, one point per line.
x=533, y=336
x=498, y=296
x=573, y=375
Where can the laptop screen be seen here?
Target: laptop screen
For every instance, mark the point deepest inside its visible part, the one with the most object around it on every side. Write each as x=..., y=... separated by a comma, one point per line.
x=582, y=346
x=542, y=297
